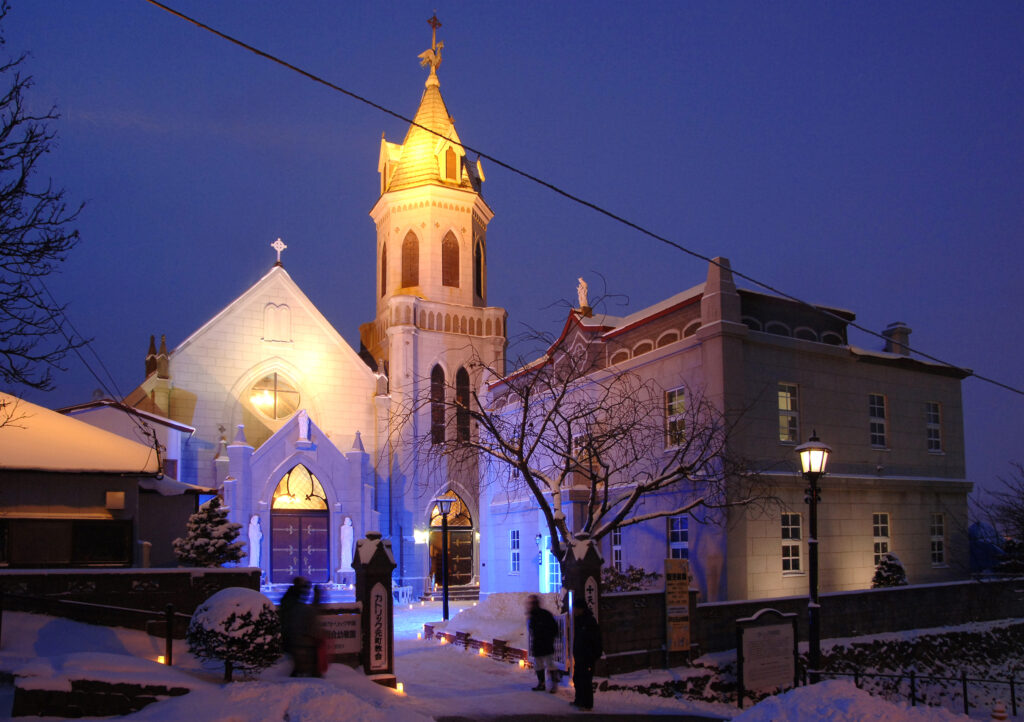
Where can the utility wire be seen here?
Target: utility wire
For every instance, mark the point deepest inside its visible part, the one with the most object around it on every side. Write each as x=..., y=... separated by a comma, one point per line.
x=574, y=198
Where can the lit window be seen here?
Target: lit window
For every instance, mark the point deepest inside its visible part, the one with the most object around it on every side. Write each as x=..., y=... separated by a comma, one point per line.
x=274, y=397
x=791, y=543
x=513, y=551
x=617, y=549
x=876, y=418
x=933, y=425
x=880, y=534
x=789, y=414
x=299, y=489
x=679, y=537
x=937, y=532
x=675, y=417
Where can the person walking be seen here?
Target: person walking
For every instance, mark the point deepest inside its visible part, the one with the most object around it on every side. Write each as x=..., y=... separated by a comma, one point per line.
x=542, y=628
x=586, y=650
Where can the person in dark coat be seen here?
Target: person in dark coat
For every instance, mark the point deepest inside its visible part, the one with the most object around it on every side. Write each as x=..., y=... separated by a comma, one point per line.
x=543, y=629
x=299, y=629
x=586, y=650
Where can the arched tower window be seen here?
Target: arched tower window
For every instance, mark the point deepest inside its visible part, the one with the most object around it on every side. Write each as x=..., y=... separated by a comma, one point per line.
x=383, y=269
x=451, y=165
x=450, y=261
x=410, y=260
x=462, y=405
x=478, y=269
x=437, y=405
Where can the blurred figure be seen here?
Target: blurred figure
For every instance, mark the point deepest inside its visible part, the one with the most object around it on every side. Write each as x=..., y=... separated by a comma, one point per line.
x=543, y=628
x=299, y=629
x=586, y=650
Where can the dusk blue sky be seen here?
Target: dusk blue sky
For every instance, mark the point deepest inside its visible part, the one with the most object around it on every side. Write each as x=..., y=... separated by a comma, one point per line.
x=863, y=155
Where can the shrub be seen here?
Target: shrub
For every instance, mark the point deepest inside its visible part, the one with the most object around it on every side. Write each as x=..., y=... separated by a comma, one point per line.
x=209, y=539
x=237, y=626
x=889, y=572
x=633, y=579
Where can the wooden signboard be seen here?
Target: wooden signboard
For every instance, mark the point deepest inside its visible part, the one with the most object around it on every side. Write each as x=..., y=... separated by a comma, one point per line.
x=677, y=604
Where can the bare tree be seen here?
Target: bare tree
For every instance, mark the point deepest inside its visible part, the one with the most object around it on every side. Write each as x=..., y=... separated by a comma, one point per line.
x=35, y=237
x=569, y=425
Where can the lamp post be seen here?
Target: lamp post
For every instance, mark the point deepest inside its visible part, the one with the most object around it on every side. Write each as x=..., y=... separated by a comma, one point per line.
x=813, y=461
x=444, y=505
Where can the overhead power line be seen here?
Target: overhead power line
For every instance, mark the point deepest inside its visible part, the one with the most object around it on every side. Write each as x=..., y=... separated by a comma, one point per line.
x=570, y=196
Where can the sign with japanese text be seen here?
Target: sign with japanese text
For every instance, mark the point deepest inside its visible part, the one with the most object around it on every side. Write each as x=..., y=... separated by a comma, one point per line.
x=378, y=627
x=342, y=633
x=677, y=604
x=590, y=595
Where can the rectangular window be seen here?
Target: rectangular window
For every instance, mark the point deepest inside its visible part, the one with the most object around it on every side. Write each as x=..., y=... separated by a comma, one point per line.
x=791, y=543
x=933, y=425
x=675, y=417
x=679, y=537
x=789, y=414
x=880, y=534
x=551, y=572
x=937, y=532
x=617, y=549
x=513, y=551
x=876, y=418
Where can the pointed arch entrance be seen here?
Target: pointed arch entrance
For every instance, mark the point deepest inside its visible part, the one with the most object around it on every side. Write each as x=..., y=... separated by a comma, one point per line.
x=299, y=523
x=460, y=542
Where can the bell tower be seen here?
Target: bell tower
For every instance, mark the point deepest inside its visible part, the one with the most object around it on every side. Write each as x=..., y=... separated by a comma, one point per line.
x=433, y=332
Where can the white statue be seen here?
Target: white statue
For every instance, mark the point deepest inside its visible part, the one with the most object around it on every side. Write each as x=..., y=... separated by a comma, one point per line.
x=346, y=544
x=255, y=540
x=581, y=291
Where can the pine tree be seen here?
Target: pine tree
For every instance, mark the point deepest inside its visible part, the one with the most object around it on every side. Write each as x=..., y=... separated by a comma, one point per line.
x=889, y=572
x=209, y=539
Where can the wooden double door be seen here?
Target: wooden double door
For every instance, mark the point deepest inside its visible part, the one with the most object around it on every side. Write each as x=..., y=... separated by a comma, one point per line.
x=460, y=556
x=300, y=546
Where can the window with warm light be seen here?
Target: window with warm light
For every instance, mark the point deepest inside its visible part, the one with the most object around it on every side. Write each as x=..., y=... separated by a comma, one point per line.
x=789, y=414
x=675, y=417
x=791, y=543
x=299, y=489
x=880, y=535
x=274, y=396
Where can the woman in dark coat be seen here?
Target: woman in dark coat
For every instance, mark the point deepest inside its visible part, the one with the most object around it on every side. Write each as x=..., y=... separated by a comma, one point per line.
x=586, y=650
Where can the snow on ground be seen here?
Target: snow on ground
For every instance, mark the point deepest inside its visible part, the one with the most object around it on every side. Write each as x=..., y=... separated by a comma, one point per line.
x=837, y=701
x=438, y=679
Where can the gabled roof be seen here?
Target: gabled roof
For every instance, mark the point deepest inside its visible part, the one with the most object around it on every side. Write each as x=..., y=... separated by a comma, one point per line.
x=39, y=439
x=125, y=408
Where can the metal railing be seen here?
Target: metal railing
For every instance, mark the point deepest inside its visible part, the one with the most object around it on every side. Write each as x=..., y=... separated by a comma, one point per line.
x=913, y=678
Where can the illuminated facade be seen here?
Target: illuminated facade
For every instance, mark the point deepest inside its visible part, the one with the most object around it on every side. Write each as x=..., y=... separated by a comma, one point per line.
x=779, y=372
x=298, y=430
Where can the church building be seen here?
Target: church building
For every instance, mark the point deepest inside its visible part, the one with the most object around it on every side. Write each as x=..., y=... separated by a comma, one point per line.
x=313, y=443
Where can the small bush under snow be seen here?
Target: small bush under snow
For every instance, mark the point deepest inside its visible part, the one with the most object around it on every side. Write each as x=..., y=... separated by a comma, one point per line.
x=209, y=539
x=237, y=626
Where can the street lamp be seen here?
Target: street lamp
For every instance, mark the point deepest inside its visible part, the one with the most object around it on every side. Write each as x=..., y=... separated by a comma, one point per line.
x=444, y=505
x=813, y=462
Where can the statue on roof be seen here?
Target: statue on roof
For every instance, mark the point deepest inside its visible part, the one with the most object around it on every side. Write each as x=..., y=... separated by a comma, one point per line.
x=432, y=56
x=581, y=293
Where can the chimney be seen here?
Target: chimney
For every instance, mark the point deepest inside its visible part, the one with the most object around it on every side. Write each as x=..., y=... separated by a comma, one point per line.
x=897, y=338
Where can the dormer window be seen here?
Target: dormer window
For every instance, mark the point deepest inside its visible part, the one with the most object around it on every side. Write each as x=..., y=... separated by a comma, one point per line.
x=451, y=165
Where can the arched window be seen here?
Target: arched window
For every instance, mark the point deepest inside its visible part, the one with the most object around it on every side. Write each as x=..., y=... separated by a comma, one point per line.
x=410, y=260
x=274, y=397
x=383, y=269
x=451, y=165
x=437, y=405
x=478, y=269
x=462, y=405
x=450, y=261
x=299, y=489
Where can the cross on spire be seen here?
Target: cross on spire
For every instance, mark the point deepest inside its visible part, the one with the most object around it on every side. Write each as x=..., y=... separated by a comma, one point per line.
x=278, y=246
x=434, y=24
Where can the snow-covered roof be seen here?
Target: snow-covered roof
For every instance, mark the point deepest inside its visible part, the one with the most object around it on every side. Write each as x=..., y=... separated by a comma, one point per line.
x=36, y=438
x=101, y=404
x=166, y=486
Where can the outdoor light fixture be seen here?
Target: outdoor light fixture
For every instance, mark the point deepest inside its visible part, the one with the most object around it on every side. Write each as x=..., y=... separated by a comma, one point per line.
x=400, y=688
x=444, y=506
x=813, y=462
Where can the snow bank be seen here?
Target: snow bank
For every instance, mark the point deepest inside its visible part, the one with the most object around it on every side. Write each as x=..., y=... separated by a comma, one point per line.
x=499, y=616
x=839, y=701
x=56, y=673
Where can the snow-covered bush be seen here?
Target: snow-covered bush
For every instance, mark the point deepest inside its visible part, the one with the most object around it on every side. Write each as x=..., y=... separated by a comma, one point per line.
x=633, y=579
x=889, y=572
x=237, y=626
x=209, y=539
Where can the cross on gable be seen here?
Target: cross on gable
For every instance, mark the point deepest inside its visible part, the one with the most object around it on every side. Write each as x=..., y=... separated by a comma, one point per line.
x=278, y=246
